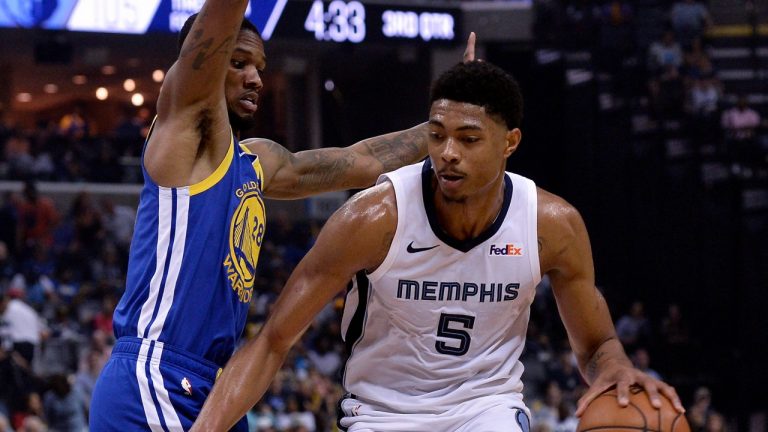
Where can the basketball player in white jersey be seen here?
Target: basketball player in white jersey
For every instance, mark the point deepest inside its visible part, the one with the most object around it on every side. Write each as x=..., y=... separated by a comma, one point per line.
x=445, y=256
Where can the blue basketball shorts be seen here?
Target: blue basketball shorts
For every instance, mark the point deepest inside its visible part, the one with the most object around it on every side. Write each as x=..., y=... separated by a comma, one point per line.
x=149, y=386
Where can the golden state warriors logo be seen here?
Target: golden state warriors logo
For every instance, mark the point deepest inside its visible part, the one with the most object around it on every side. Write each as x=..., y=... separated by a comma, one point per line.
x=245, y=236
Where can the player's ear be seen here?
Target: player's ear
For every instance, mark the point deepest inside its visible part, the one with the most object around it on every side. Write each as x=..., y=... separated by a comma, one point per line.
x=513, y=138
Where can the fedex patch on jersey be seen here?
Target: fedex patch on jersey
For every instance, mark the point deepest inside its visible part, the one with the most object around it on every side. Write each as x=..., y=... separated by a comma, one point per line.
x=509, y=249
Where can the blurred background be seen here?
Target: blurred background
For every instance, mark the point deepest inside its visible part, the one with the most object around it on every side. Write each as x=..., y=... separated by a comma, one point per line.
x=649, y=116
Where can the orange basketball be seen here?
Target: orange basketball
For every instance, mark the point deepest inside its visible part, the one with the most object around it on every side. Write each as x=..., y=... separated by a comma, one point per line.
x=605, y=415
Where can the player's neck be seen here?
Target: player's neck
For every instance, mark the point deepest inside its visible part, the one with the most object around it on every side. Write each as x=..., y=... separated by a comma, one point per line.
x=468, y=218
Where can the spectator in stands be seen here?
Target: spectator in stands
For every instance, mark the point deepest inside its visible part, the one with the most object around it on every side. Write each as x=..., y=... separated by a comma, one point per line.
x=9, y=221
x=715, y=423
x=616, y=33
x=703, y=107
x=700, y=409
x=704, y=98
x=29, y=416
x=545, y=414
x=37, y=217
x=697, y=63
x=690, y=19
x=74, y=124
x=665, y=83
x=21, y=325
x=60, y=349
x=119, y=220
x=18, y=154
x=64, y=406
x=89, y=229
x=665, y=54
x=7, y=265
x=740, y=125
x=86, y=377
x=580, y=25
x=642, y=360
x=633, y=329
x=324, y=356
x=566, y=373
x=4, y=424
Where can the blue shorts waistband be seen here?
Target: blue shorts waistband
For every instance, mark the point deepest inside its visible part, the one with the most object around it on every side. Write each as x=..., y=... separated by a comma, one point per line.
x=178, y=357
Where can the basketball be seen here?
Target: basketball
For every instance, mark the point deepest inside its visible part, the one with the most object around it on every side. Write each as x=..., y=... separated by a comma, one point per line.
x=604, y=414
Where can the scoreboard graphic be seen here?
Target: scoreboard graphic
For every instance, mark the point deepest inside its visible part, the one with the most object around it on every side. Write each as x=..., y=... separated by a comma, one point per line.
x=328, y=21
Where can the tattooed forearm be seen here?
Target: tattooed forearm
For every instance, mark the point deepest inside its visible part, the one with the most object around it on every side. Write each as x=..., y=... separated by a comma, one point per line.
x=399, y=149
x=328, y=169
x=593, y=363
x=200, y=49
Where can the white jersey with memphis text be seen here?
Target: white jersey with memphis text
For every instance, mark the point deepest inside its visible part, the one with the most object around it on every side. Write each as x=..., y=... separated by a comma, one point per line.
x=442, y=322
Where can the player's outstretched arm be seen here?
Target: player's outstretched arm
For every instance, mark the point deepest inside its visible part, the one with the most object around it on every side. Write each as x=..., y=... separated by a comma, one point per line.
x=296, y=175
x=355, y=238
x=191, y=107
x=566, y=256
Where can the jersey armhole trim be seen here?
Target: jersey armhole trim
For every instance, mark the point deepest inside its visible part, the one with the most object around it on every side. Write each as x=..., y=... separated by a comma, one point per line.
x=218, y=174
x=533, y=223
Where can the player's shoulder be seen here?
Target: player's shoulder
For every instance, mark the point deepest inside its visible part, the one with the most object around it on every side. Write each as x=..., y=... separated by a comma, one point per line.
x=555, y=215
x=376, y=204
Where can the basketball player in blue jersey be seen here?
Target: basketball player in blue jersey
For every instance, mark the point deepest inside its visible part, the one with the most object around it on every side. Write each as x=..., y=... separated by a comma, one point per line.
x=201, y=222
x=445, y=256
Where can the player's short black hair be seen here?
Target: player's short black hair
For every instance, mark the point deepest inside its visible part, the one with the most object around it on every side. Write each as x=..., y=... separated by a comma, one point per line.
x=246, y=25
x=483, y=84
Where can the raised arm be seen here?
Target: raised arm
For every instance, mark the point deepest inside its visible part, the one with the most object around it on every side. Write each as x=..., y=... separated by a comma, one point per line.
x=296, y=175
x=370, y=218
x=191, y=133
x=566, y=256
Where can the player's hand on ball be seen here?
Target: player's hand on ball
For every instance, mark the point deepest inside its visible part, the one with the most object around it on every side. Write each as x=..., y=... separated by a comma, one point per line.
x=623, y=376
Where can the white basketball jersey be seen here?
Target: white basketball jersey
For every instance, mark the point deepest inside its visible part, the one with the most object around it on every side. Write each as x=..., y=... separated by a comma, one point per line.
x=441, y=321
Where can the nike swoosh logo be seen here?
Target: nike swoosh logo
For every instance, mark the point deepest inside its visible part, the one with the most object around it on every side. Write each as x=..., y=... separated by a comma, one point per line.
x=412, y=249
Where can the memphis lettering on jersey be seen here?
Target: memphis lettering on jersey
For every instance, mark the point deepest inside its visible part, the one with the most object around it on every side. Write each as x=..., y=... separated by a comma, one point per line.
x=457, y=291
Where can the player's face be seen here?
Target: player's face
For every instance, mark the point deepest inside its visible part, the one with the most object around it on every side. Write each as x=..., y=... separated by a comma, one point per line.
x=468, y=149
x=243, y=82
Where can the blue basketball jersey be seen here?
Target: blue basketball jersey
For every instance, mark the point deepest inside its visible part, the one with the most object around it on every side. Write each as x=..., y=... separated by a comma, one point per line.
x=193, y=259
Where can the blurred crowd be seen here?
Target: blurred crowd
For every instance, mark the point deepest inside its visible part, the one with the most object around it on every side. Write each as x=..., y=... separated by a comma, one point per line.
x=658, y=54
x=62, y=270
x=71, y=149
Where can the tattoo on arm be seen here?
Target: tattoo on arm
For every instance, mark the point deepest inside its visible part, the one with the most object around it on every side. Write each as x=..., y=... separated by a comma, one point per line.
x=317, y=170
x=541, y=244
x=200, y=49
x=394, y=151
x=593, y=363
x=327, y=168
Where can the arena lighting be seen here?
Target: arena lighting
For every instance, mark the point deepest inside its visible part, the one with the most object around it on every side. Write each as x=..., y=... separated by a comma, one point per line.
x=330, y=85
x=129, y=85
x=51, y=88
x=79, y=79
x=108, y=70
x=24, y=97
x=158, y=75
x=137, y=99
x=102, y=93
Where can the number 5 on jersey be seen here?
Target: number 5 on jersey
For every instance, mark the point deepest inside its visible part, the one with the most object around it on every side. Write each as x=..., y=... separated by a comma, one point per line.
x=445, y=331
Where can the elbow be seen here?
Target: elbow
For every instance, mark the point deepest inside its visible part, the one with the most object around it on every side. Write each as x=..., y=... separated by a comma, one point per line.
x=277, y=341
